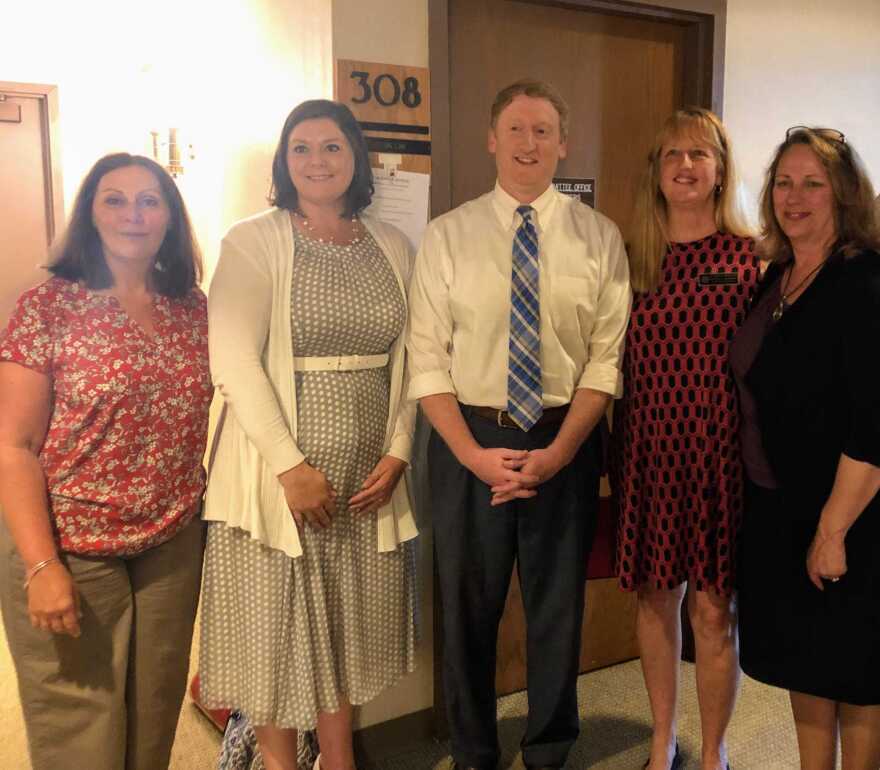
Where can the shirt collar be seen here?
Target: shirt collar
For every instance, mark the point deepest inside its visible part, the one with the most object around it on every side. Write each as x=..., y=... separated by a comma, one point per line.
x=505, y=206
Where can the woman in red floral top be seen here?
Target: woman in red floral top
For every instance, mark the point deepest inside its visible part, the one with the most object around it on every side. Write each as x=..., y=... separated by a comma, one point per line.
x=104, y=396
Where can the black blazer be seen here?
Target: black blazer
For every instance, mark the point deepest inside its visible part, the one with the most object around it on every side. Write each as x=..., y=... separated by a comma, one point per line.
x=816, y=384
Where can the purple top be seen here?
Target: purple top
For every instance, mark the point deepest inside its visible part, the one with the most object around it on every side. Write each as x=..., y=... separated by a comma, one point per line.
x=743, y=351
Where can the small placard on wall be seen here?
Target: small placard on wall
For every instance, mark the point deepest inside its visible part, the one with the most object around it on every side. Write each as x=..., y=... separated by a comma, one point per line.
x=581, y=188
x=392, y=104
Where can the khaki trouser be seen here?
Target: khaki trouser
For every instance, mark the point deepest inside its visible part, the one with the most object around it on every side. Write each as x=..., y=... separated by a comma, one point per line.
x=110, y=699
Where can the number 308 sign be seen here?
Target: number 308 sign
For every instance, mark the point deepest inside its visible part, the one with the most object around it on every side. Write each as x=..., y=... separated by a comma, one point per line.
x=391, y=102
x=373, y=90
x=386, y=89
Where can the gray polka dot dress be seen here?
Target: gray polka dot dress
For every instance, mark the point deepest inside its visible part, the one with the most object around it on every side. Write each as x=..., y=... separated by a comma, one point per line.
x=282, y=637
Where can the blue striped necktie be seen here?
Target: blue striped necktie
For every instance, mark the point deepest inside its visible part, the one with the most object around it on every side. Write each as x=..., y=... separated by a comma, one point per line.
x=525, y=397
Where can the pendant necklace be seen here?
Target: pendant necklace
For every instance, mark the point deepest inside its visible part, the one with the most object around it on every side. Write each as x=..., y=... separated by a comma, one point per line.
x=785, y=292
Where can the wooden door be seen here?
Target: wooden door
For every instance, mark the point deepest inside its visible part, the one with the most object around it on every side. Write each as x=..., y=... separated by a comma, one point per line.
x=621, y=75
x=30, y=191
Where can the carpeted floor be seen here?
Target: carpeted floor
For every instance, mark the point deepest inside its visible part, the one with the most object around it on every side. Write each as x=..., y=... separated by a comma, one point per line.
x=615, y=727
x=614, y=731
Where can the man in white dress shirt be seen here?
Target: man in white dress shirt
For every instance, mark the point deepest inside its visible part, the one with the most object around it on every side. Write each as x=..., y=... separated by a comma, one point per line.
x=519, y=305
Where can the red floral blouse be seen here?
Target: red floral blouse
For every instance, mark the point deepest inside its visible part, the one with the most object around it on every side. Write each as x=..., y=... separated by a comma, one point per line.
x=123, y=451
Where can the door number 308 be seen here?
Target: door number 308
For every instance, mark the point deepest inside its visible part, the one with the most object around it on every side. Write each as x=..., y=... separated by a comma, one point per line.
x=386, y=90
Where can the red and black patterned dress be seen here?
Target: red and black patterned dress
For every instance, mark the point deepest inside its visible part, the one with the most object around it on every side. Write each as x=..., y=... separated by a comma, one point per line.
x=676, y=469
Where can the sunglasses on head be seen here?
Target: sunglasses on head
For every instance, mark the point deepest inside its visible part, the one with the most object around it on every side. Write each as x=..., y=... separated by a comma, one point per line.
x=826, y=133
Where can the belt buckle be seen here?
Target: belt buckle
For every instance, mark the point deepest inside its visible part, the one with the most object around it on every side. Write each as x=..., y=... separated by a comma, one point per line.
x=499, y=418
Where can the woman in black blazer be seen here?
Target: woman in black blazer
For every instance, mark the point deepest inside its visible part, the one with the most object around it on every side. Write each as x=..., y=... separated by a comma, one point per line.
x=806, y=362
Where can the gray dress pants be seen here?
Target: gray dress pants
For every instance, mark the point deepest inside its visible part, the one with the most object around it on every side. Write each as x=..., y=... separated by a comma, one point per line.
x=110, y=699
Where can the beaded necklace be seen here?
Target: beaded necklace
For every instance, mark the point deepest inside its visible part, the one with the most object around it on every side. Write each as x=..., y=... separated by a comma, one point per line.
x=348, y=243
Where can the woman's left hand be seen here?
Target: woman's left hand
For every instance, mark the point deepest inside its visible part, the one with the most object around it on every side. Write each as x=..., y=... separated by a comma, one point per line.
x=378, y=486
x=826, y=558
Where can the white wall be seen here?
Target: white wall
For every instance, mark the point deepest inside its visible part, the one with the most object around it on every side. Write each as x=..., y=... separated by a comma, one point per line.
x=801, y=62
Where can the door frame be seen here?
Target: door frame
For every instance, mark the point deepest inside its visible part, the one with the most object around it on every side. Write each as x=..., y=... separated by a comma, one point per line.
x=705, y=22
x=47, y=97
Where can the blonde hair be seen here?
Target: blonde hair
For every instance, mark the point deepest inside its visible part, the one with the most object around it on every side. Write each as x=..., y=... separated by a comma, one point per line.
x=854, y=213
x=648, y=235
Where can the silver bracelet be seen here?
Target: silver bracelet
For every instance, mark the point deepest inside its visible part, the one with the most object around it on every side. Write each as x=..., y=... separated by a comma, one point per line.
x=31, y=573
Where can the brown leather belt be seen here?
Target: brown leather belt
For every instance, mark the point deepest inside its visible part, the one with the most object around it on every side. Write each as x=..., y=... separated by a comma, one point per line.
x=551, y=415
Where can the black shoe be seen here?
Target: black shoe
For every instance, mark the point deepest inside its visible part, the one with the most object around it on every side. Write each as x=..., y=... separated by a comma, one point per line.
x=677, y=760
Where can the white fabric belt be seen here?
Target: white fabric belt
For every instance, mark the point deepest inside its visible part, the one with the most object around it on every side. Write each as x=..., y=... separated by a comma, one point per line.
x=338, y=363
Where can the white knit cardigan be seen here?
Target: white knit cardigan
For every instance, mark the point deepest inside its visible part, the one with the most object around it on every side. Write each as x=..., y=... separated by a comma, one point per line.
x=252, y=366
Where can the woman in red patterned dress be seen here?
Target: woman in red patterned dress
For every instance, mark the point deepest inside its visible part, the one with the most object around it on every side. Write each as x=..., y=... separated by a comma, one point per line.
x=677, y=471
x=104, y=395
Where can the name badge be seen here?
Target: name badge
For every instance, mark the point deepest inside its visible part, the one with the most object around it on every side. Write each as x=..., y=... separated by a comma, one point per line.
x=719, y=279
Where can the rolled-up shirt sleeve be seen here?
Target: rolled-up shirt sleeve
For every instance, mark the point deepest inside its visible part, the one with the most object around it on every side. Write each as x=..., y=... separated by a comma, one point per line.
x=429, y=344
x=239, y=308
x=602, y=370
x=402, y=438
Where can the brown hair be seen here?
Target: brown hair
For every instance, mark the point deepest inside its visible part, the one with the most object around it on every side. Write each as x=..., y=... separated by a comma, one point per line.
x=648, y=237
x=79, y=255
x=360, y=192
x=854, y=215
x=537, y=89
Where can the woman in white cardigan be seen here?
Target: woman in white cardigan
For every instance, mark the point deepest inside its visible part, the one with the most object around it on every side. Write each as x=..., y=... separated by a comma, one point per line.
x=308, y=595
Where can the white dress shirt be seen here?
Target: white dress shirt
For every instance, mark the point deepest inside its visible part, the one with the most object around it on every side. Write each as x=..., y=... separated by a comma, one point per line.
x=460, y=300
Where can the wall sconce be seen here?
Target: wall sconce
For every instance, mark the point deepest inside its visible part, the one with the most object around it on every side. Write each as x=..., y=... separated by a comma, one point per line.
x=168, y=153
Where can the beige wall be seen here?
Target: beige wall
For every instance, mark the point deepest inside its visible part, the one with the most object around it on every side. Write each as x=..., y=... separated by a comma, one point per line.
x=226, y=77
x=385, y=31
